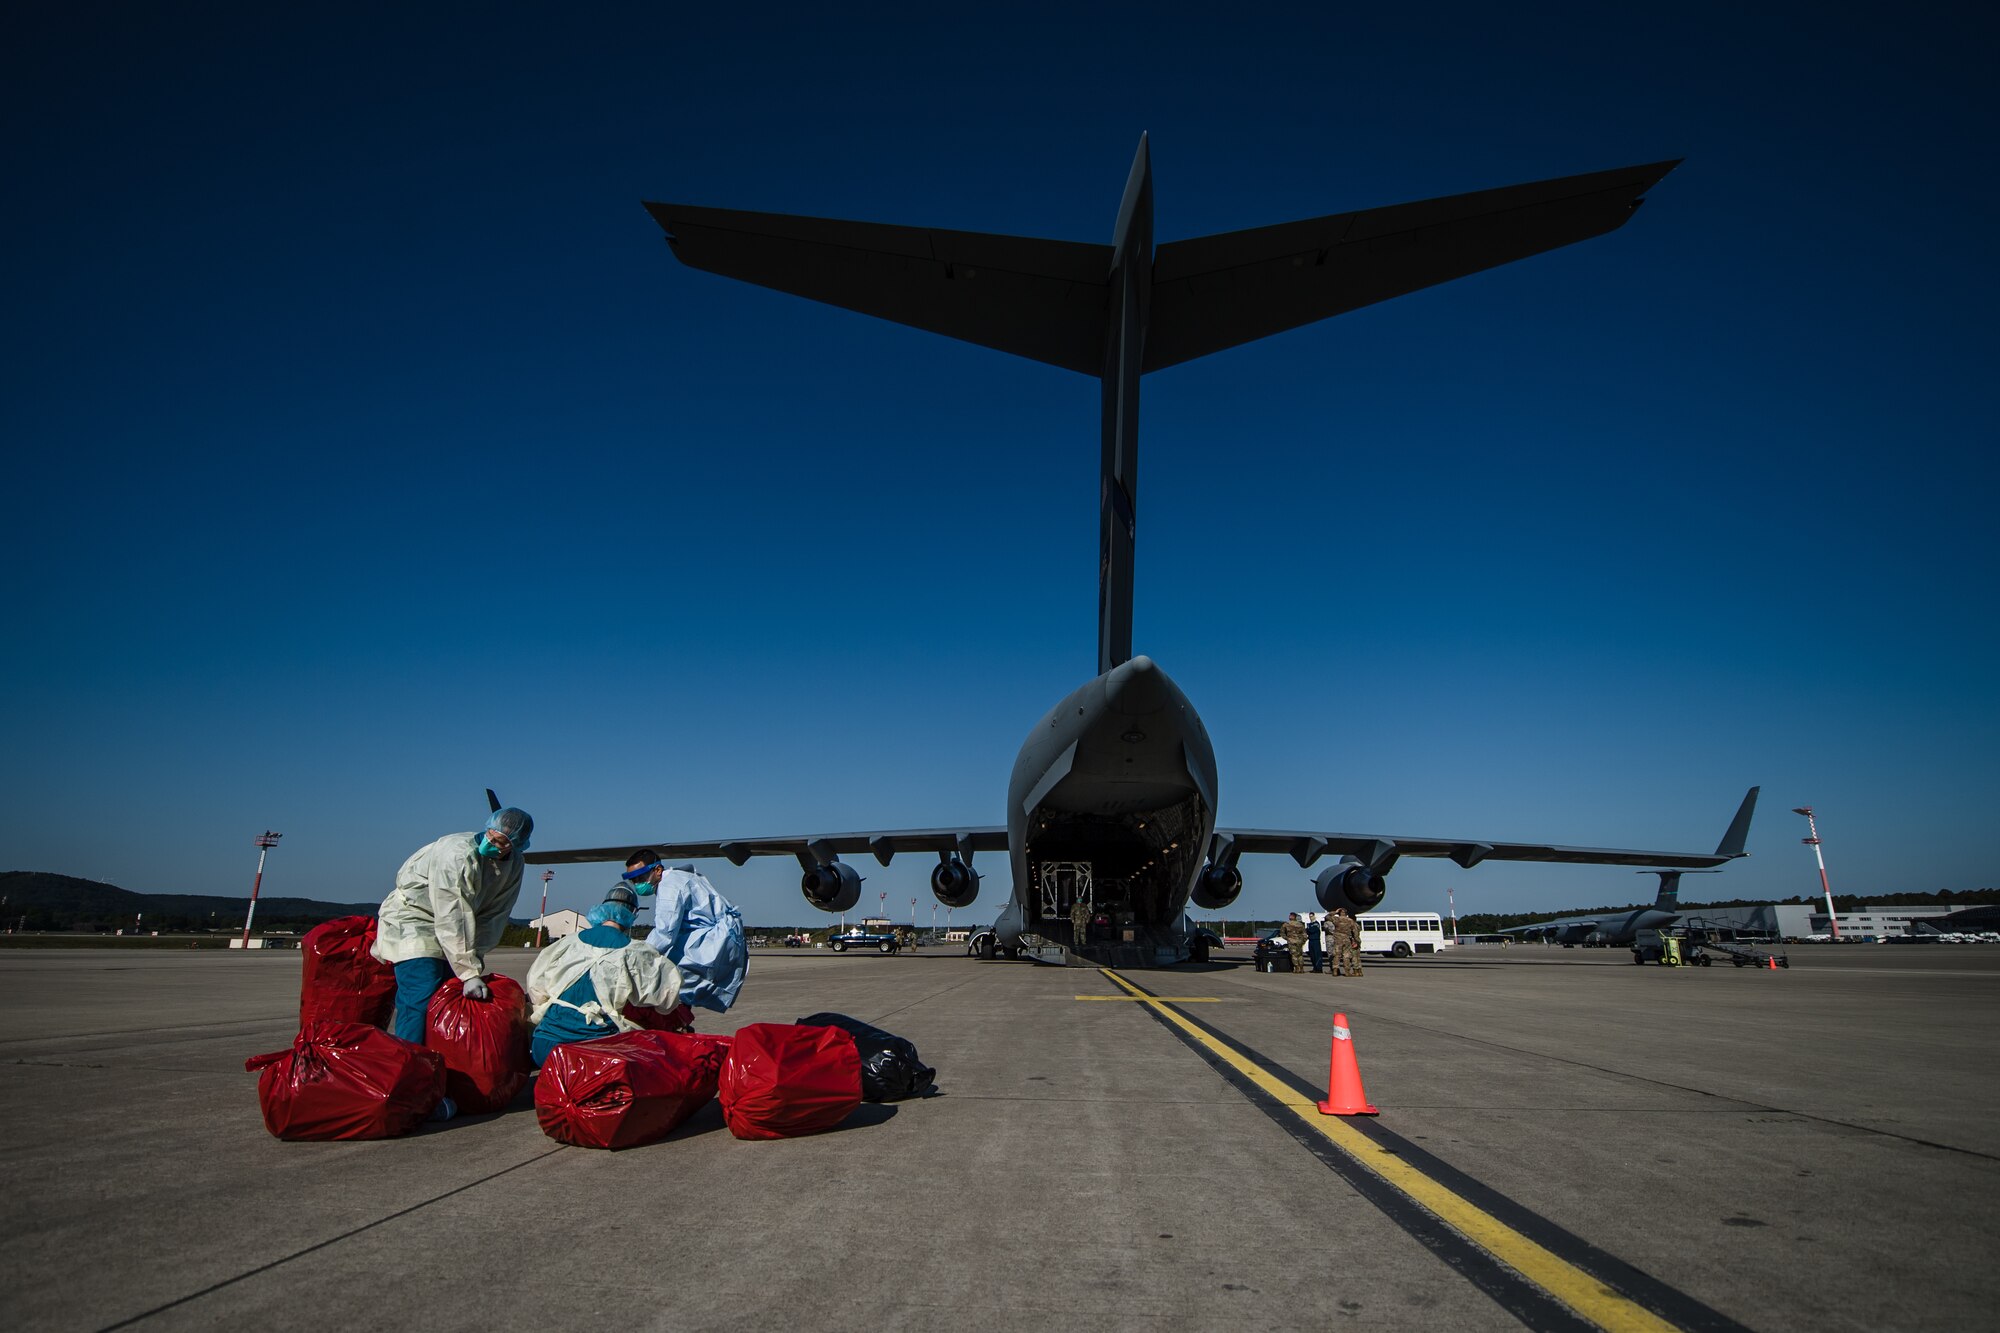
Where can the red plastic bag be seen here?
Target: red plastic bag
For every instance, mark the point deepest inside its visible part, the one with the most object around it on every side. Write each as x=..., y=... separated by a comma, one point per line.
x=781, y=1081
x=484, y=1043
x=625, y=1090
x=342, y=980
x=680, y=1019
x=347, y=1081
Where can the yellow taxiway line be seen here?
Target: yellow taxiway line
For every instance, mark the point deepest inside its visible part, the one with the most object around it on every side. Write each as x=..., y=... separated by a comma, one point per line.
x=1157, y=999
x=1581, y=1292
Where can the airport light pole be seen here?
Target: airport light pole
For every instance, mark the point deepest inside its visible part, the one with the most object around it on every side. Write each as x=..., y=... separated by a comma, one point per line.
x=547, y=875
x=1812, y=827
x=1451, y=907
x=265, y=842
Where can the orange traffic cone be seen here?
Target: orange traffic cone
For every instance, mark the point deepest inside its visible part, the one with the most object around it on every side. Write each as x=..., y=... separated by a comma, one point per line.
x=1343, y=1076
x=1773, y=962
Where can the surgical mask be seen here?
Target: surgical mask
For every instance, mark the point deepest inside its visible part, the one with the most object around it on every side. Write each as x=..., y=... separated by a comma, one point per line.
x=641, y=879
x=488, y=847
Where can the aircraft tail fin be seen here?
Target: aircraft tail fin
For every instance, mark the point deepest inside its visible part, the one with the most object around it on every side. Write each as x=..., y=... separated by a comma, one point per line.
x=1128, y=311
x=1670, y=889
x=1739, y=827
x=1122, y=310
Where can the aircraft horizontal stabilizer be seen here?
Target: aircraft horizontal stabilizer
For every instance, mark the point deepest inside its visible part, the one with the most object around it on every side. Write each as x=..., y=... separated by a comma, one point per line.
x=1049, y=300
x=1220, y=291
x=1044, y=300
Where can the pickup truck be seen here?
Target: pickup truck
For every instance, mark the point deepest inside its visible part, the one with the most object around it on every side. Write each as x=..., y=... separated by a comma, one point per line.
x=862, y=939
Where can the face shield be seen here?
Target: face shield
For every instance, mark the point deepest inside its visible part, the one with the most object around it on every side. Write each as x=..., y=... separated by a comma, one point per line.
x=640, y=878
x=617, y=908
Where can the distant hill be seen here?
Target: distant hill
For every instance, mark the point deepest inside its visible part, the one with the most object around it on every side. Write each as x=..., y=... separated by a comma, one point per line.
x=63, y=902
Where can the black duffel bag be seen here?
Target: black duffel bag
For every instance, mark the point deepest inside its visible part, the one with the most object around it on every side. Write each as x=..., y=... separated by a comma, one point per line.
x=890, y=1069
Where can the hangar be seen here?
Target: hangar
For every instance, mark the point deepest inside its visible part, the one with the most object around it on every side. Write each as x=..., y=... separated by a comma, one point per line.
x=1798, y=920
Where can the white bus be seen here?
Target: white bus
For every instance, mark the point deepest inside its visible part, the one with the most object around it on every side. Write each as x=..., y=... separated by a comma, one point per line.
x=1401, y=934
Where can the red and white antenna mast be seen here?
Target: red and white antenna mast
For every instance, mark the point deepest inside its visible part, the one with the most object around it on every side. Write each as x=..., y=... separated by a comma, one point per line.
x=265, y=842
x=1812, y=826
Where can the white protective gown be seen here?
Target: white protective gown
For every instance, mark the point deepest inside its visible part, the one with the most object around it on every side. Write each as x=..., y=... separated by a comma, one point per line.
x=635, y=975
x=449, y=902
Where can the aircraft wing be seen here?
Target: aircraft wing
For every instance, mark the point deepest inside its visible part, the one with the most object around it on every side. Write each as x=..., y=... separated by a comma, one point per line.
x=1215, y=292
x=1044, y=300
x=810, y=849
x=1379, y=851
x=1563, y=924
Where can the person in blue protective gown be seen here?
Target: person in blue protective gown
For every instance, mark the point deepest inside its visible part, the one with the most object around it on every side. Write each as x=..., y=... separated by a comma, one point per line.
x=695, y=927
x=580, y=985
x=447, y=911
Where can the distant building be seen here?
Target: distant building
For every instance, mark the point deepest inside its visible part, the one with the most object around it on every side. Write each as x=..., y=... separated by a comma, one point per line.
x=1767, y=920
x=560, y=923
x=1797, y=920
x=1965, y=918
x=1879, y=920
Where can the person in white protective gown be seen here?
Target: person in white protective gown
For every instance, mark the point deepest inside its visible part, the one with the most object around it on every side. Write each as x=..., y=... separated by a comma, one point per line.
x=697, y=929
x=447, y=911
x=580, y=985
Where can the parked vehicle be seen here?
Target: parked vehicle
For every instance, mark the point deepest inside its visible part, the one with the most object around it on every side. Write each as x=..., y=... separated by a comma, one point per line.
x=1272, y=954
x=862, y=939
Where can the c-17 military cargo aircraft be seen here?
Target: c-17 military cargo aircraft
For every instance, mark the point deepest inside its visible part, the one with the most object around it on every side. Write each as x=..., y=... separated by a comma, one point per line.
x=1621, y=926
x=1113, y=799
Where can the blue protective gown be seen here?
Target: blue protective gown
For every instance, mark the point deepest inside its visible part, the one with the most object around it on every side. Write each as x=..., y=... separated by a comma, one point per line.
x=701, y=934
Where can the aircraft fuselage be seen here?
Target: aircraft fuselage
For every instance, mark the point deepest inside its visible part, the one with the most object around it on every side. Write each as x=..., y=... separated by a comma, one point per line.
x=1615, y=930
x=1118, y=778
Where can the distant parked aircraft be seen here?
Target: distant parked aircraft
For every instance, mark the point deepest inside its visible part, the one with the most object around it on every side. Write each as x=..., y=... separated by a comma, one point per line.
x=1623, y=927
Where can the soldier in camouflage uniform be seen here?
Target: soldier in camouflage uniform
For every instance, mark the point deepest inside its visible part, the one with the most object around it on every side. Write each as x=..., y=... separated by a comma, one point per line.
x=1295, y=940
x=1347, y=945
x=1079, y=926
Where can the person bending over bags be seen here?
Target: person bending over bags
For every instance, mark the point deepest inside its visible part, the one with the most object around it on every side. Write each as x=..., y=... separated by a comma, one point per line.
x=448, y=909
x=580, y=985
x=696, y=928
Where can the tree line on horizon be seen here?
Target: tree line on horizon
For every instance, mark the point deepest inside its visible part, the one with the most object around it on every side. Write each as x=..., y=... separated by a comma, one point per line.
x=34, y=900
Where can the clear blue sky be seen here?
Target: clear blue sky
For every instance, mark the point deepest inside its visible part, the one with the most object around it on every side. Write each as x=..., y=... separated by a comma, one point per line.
x=368, y=447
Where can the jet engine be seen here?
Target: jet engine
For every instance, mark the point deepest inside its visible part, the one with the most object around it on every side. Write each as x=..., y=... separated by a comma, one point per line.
x=954, y=883
x=831, y=886
x=1216, y=887
x=1349, y=884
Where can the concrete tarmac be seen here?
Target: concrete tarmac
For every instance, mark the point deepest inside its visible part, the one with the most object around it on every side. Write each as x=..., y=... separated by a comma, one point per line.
x=1809, y=1148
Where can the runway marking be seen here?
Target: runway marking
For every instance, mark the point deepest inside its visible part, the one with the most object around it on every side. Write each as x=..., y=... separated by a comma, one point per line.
x=1158, y=999
x=1568, y=1293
